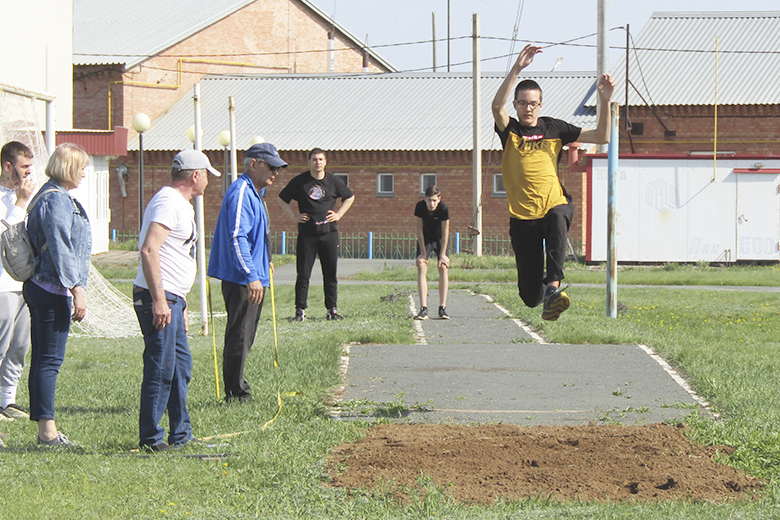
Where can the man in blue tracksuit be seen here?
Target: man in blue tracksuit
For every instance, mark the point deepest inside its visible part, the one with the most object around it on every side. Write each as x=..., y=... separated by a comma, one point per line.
x=241, y=258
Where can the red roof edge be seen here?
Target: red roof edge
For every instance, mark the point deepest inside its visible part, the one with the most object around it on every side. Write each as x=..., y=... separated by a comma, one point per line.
x=97, y=142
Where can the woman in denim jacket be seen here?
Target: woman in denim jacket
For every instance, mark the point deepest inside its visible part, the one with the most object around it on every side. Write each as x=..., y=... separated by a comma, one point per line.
x=60, y=234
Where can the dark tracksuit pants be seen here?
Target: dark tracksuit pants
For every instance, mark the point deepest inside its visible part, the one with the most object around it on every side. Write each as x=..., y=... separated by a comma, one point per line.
x=243, y=318
x=309, y=247
x=530, y=239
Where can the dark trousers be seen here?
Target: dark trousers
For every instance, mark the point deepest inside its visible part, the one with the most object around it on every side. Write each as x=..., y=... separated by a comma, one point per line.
x=309, y=247
x=49, y=326
x=530, y=239
x=243, y=318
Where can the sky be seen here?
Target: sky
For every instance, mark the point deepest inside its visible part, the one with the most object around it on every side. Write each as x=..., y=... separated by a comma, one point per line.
x=391, y=25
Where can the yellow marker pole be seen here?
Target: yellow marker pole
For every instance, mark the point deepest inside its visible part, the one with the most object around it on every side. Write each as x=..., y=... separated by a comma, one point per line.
x=214, y=336
x=715, y=140
x=276, y=356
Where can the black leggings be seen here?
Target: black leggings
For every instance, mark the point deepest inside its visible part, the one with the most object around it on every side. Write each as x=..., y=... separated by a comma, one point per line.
x=530, y=238
x=309, y=247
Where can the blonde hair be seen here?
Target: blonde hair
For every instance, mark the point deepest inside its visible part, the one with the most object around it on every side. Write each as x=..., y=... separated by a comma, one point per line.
x=66, y=163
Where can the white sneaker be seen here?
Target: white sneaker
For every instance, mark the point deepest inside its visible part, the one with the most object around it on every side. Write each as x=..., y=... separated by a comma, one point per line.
x=16, y=411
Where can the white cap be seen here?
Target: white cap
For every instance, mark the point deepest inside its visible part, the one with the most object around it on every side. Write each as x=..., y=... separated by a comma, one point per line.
x=194, y=160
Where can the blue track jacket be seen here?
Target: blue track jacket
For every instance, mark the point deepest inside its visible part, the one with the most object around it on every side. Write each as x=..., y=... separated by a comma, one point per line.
x=240, y=251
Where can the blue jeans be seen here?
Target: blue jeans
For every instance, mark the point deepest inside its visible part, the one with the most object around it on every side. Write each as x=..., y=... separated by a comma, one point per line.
x=167, y=371
x=49, y=325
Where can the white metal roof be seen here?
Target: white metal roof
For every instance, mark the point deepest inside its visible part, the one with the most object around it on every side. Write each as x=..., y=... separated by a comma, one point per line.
x=429, y=111
x=675, y=60
x=130, y=31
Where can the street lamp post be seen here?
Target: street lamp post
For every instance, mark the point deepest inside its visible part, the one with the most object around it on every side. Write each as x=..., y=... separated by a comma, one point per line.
x=224, y=139
x=141, y=124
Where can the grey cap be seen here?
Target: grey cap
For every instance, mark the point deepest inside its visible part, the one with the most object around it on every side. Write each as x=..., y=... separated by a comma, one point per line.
x=193, y=160
x=266, y=152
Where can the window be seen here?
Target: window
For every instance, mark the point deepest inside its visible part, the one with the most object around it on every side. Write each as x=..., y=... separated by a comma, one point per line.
x=427, y=179
x=498, y=184
x=343, y=176
x=384, y=184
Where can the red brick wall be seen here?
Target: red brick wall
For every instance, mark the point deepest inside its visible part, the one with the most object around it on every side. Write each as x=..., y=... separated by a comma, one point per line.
x=274, y=36
x=744, y=129
x=370, y=212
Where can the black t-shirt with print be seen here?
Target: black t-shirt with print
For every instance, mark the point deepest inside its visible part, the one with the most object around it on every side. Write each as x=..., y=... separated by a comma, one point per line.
x=432, y=220
x=315, y=197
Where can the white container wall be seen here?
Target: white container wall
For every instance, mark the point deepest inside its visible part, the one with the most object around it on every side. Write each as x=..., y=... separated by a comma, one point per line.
x=92, y=193
x=682, y=210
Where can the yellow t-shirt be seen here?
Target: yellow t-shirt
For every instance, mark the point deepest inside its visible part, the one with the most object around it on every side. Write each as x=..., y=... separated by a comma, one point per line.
x=530, y=165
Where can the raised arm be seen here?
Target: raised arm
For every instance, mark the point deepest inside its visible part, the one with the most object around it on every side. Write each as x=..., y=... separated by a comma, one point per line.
x=601, y=134
x=524, y=59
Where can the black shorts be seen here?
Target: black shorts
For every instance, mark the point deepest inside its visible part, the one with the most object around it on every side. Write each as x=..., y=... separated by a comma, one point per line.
x=432, y=247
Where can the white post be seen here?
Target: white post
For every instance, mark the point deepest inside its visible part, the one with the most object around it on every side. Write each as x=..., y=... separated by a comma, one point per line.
x=199, y=221
x=477, y=134
x=433, y=31
x=51, y=138
x=602, y=62
x=233, y=165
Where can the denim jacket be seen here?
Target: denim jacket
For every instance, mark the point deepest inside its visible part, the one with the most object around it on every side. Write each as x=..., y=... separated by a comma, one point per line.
x=60, y=223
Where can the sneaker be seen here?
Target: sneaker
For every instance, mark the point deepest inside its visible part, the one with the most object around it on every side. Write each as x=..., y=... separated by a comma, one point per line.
x=333, y=315
x=5, y=417
x=555, y=302
x=423, y=314
x=15, y=411
x=59, y=440
x=159, y=447
x=443, y=314
x=300, y=315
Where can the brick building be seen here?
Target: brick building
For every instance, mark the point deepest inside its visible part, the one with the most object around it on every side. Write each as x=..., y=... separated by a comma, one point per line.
x=132, y=56
x=388, y=151
x=687, y=67
x=408, y=130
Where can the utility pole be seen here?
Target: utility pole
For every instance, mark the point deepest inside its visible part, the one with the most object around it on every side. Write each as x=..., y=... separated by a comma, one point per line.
x=602, y=64
x=433, y=30
x=448, y=36
x=477, y=134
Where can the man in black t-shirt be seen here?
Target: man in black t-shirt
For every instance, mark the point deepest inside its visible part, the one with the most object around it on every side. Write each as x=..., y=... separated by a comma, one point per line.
x=316, y=192
x=433, y=230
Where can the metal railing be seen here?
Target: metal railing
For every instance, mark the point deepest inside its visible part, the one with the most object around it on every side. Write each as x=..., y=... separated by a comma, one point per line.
x=402, y=246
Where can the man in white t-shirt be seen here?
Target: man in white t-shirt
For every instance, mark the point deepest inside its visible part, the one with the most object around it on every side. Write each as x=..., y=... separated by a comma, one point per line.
x=16, y=189
x=166, y=272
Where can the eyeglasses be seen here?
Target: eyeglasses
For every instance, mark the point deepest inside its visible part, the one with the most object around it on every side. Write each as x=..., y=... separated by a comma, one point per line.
x=533, y=105
x=273, y=169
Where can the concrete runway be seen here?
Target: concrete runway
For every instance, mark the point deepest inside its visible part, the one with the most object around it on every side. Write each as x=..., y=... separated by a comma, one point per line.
x=482, y=366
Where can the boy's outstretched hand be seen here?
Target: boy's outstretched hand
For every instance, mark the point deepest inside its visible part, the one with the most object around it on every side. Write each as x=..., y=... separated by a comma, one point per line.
x=606, y=87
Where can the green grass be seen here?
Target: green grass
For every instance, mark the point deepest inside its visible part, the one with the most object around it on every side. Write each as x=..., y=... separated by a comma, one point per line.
x=127, y=271
x=501, y=269
x=726, y=343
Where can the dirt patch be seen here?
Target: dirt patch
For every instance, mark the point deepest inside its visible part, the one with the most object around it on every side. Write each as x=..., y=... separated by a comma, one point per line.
x=480, y=464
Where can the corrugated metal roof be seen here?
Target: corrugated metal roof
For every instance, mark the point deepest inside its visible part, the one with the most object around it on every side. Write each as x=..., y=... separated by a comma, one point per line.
x=358, y=112
x=674, y=62
x=131, y=31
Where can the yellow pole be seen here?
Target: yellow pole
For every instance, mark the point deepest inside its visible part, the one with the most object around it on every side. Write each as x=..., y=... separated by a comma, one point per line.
x=276, y=356
x=715, y=139
x=214, y=336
